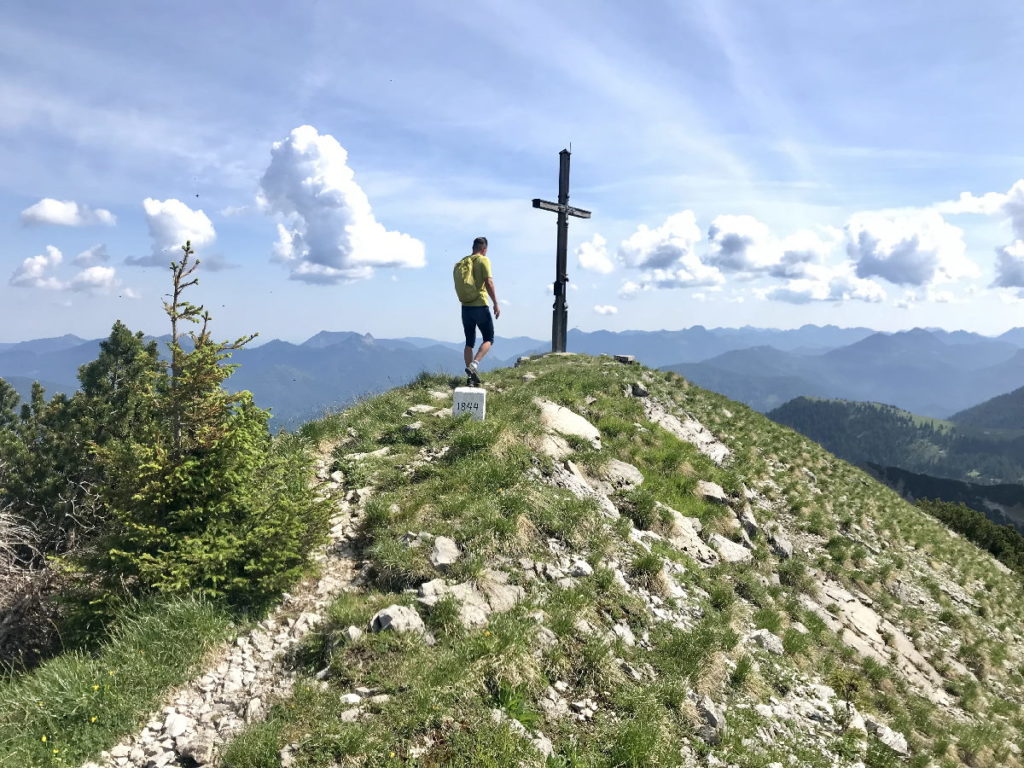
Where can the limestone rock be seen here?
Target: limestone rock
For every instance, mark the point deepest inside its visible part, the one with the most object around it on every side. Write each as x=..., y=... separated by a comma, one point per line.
x=176, y=725
x=729, y=550
x=369, y=454
x=422, y=408
x=767, y=640
x=445, y=552
x=780, y=545
x=637, y=389
x=712, y=492
x=554, y=446
x=683, y=534
x=748, y=521
x=397, y=618
x=621, y=475
x=567, y=423
x=689, y=430
x=199, y=751
x=894, y=740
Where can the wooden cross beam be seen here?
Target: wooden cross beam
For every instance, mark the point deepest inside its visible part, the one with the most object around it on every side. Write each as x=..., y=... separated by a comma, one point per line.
x=560, y=315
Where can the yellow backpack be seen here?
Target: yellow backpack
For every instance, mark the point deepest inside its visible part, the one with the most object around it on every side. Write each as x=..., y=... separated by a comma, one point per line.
x=465, y=286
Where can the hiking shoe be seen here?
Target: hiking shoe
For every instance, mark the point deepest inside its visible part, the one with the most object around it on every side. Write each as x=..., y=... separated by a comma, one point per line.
x=471, y=375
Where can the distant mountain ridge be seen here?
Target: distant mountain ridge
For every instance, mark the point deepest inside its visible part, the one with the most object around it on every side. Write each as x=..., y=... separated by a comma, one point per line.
x=1000, y=412
x=923, y=370
x=936, y=373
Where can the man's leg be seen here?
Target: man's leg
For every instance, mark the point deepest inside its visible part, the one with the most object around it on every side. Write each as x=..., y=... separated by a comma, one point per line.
x=481, y=353
x=468, y=355
x=486, y=323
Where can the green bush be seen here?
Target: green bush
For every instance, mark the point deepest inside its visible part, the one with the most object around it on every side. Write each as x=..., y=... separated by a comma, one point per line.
x=202, y=499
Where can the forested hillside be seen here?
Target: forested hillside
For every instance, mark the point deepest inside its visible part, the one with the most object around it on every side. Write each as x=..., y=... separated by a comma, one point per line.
x=883, y=434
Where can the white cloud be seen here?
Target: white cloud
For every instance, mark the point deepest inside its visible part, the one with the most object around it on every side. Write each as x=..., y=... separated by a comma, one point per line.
x=667, y=256
x=93, y=255
x=328, y=231
x=171, y=223
x=1010, y=266
x=670, y=244
x=828, y=284
x=1009, y=204
x=66, y=213
x=630, y=289
x=35, y=271
x=913, y=248
x=606, y=309
x=95, y=280
x=593, y=256
x=741, y=244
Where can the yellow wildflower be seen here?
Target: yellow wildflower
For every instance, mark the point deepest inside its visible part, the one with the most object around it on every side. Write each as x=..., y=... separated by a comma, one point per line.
x=43, y=739
x=92, y=719
x=95, y=687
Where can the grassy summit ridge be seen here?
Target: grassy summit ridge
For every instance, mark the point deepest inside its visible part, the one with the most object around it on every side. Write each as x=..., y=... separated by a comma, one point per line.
x=624, y=650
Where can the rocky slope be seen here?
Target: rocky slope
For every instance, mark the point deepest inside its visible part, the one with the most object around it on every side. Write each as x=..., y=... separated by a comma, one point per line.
x=616, y=568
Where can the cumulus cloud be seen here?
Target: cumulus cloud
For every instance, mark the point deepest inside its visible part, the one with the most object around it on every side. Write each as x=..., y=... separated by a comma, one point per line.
x=606, y=309
x=36, y=271
x=171, y=223
x=832, y=284
x=913, y=248
x=741, y=244
x=95, y=280
x=66, y=213
x=667, y=256
x=1009, y=204
x=593, y=256
x=1010, y=266
x=95, y=255
x=328, y=232
x=666, y=246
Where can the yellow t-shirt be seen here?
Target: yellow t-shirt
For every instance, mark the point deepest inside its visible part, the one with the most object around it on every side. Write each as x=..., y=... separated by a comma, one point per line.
x=481, y=271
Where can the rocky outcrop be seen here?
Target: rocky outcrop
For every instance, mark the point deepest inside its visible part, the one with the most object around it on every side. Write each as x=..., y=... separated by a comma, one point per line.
x=562, y=421
x=689, y=430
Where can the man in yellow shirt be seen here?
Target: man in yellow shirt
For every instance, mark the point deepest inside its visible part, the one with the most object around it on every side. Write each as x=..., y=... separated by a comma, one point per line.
x=473, y=284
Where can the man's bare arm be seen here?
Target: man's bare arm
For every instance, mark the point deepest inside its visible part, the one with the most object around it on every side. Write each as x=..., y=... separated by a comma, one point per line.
x=489, y=285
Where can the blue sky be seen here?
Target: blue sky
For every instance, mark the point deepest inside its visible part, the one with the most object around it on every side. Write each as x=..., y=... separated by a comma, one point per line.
x=754, y=163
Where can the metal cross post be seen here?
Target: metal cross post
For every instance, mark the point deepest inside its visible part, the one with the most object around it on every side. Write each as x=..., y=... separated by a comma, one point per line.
x=560, y=316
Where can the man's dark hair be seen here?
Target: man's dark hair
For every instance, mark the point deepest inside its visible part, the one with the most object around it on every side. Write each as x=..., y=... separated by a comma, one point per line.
x=479, y=244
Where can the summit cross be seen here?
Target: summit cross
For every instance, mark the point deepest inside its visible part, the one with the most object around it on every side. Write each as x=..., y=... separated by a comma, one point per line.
x=560, y=316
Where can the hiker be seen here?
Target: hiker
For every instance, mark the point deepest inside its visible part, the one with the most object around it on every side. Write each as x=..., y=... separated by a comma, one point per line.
x=473, y=283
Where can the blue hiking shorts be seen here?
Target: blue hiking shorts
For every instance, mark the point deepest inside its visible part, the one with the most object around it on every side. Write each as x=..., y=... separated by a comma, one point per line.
x=477, y=317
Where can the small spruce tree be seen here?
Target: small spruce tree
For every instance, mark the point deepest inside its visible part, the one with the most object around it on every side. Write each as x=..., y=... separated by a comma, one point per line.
x=203, y=499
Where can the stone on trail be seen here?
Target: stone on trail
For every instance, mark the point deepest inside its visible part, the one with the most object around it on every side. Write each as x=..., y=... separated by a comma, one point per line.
x=729, y=550
x=444, y=553
x=563, y=421
x=398, y=618
x=369, y=454
x=176, y=724
x=636, y=389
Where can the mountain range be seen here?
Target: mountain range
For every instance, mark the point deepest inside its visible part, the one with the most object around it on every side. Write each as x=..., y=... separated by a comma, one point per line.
x=927, y=371
x=930, y=372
